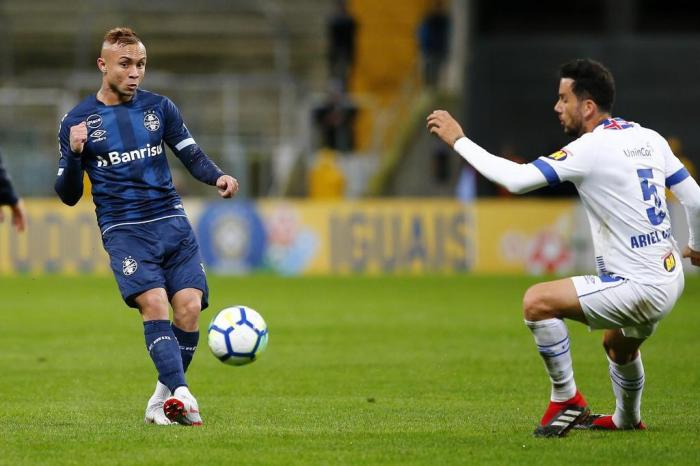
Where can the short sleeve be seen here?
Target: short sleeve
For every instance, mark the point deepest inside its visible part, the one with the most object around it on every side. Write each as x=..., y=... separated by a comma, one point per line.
x=571, y=163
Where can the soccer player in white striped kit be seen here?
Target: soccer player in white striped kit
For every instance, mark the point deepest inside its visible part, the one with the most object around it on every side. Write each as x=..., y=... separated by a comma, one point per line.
x=620, y=170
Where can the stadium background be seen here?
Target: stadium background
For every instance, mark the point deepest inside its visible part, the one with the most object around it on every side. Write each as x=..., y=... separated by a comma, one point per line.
x=249, y=76
x=404, y=342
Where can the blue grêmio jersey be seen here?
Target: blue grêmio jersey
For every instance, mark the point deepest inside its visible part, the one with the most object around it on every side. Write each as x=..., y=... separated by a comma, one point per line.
x=124, y=156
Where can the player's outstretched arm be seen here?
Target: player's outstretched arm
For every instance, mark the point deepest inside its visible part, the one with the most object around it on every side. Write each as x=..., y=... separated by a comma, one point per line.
x=227, y=186
x=516, y=178
x=688, y=193
x=69, y=180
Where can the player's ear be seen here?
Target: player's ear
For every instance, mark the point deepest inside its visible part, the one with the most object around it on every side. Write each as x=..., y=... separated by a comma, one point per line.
x=589, y=108
x=101, y=65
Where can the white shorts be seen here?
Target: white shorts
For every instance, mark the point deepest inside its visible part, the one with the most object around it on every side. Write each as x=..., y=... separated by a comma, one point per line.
x=616, y=302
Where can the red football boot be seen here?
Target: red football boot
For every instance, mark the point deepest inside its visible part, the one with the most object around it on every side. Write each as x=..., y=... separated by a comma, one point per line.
x=561, y=416
x=605, y=422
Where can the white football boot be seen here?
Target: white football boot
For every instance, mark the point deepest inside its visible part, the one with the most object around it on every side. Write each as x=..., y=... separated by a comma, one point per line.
x=154, y=408
x=182, y=408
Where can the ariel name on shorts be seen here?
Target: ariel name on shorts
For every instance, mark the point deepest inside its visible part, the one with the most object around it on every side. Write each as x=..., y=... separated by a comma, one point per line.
x=647, y=239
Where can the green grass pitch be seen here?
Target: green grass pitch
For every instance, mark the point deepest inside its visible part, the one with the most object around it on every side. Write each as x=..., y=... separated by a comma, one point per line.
x=432, y=370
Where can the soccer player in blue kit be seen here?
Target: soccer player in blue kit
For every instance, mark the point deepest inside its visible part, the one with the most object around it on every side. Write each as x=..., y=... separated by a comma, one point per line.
x=118, y=136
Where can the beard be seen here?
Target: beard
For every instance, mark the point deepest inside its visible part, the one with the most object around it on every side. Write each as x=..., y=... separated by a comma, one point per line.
x=575, y=129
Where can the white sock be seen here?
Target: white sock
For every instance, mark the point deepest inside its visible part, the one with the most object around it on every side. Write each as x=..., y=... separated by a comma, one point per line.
x=552, y=339
x=161, y=392
x=627, y=383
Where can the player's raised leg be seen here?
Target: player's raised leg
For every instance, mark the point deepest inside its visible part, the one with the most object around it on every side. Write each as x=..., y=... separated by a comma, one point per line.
x=163, y=348
x=627, y=377
x=545, y=305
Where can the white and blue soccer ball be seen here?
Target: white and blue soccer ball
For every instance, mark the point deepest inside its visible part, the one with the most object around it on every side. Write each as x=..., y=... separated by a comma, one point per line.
x=237, y=335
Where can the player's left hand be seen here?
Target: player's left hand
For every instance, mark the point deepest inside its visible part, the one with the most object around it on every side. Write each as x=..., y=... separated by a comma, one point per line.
x=444, y=126
x=227, y=186
x=693, y=255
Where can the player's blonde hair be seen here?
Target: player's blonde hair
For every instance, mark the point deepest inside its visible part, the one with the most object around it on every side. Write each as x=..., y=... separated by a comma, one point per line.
x=121, y=36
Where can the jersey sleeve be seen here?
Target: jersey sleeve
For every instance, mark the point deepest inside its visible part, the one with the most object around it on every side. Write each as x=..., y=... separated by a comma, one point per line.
x=176, y=134
x=674, y=171
x=515, y=177
x=572, y=163
x=179, y=139
x=688, y=193
x=69, y=179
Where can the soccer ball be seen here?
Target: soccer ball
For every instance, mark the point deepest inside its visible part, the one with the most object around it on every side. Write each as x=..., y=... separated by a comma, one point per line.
x=237, y=335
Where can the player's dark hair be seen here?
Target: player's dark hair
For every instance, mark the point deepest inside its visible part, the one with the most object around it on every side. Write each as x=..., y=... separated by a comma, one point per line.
x=121, y=36
x=592, y=81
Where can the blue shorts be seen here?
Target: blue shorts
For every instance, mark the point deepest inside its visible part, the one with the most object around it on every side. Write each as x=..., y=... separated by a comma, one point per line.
x=159, y=254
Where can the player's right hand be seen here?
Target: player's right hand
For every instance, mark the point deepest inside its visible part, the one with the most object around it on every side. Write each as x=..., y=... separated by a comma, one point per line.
x=78, y=137
x=693, y=255
x=444, y=126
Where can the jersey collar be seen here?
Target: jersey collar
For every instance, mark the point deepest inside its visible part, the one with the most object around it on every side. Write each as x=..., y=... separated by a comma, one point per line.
x=131, y=102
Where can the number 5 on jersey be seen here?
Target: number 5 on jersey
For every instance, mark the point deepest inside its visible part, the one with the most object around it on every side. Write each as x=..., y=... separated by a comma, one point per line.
x=649, y=191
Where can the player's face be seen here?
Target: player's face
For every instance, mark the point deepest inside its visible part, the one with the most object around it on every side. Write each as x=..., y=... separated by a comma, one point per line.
x=124, y=67
x=569, y=108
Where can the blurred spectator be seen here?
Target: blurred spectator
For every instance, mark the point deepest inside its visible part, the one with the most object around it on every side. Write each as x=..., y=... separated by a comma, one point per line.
x=466, y=184
x=441, y=162
x=433, y=39
x=326, y=179
x=10, y=198
x=341, y=43
x=335, y=119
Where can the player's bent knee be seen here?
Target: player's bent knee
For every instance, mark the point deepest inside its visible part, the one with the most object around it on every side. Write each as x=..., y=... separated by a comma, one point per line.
x=152, y=306
x=186, y=314
x=192, y=307
x=535, y=305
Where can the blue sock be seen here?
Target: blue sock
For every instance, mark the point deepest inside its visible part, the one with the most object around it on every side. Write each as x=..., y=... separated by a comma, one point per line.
x=163, y=348
x=188, y=344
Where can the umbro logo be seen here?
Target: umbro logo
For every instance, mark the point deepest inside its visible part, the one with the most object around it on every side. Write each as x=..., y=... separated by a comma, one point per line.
x=98, y=135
